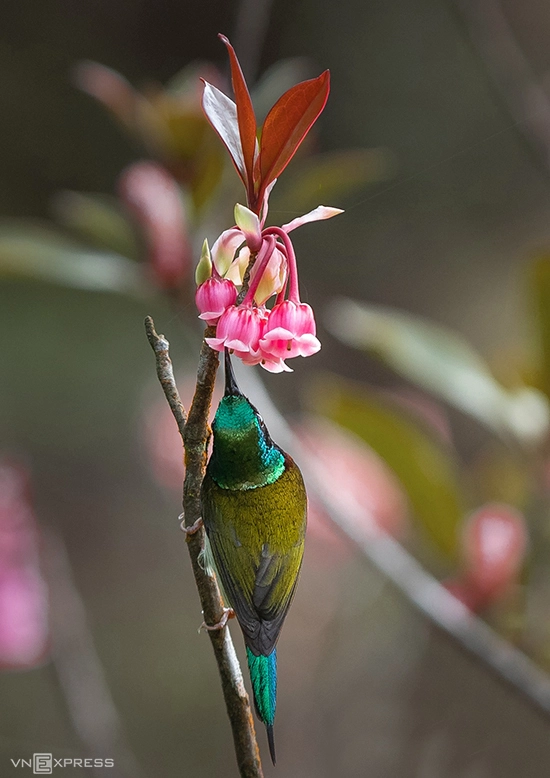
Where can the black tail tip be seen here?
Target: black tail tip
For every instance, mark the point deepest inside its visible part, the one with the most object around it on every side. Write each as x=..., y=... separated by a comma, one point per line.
x=271, y=741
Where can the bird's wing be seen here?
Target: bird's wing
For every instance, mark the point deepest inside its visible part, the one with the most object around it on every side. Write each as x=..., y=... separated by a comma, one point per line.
x=257, y=542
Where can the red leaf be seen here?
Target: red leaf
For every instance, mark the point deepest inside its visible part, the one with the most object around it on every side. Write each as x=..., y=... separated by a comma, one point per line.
x=245, y=115
x=221, y=112
x=287, y=124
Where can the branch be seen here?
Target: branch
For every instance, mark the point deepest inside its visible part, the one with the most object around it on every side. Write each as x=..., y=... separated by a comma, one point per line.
x=510, y=665
x=526, y=99
x=165, y=373
x=194, y=433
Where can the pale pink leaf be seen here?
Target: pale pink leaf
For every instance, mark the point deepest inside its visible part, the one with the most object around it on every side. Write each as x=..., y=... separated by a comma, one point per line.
x=318, y=214
x=221, y=112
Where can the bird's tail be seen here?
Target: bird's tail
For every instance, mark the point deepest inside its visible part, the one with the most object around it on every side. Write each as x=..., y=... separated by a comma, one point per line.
x=263, y=674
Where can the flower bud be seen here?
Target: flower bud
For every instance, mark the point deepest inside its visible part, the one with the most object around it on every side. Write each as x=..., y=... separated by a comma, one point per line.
x=204, y=268
x=214, y=297
x=249, y=223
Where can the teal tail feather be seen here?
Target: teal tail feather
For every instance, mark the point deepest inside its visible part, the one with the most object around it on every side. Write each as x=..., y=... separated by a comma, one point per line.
x=263, y=674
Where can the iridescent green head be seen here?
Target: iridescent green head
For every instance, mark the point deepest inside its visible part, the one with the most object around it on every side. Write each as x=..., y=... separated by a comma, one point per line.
x=243, y=455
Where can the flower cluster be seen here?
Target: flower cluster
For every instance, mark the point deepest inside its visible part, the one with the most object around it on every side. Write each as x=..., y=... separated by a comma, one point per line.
x=259, y=260
x=251, y=331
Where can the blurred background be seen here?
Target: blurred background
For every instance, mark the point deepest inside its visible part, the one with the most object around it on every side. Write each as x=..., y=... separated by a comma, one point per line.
x=427, y=406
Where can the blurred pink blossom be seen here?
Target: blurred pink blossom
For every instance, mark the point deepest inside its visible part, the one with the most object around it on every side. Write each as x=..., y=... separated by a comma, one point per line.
x=494, y=543
x=493, y=547
x=355, y=478
x=154, y=199
x=24, y=632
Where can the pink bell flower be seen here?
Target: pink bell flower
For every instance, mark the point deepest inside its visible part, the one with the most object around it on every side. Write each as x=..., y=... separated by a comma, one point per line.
x=269, y=363
x=213, y=297
x=290, y=331
x=239, y=329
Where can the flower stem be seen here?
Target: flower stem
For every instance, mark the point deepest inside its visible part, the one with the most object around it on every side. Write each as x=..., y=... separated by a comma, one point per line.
x=264, y=255
x=293, y=289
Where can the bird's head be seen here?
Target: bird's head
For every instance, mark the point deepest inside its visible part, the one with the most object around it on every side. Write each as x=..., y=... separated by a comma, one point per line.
x=242, y=444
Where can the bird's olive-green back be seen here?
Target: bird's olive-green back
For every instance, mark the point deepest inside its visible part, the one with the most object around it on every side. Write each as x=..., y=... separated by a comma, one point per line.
x=257, y=540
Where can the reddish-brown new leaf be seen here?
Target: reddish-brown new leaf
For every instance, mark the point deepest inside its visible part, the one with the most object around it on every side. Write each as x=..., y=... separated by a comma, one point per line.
x=245, y=114
x=287, y=124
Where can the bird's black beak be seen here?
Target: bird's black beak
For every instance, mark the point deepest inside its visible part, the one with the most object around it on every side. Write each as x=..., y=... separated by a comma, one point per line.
x=231, y=388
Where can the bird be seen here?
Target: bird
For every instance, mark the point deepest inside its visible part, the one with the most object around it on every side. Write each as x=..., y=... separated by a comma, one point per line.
x=254, y=511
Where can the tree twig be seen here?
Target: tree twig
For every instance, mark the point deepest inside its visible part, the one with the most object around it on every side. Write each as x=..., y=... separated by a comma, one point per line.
x=524, y=96
x=194, y=432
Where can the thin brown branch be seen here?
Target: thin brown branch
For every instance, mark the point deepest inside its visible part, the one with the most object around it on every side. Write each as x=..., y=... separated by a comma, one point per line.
x=165, y=373
x=194, y=434
x=521, y=91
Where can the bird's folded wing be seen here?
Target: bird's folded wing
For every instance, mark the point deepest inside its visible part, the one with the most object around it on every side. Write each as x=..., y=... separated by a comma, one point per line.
x=258, y=577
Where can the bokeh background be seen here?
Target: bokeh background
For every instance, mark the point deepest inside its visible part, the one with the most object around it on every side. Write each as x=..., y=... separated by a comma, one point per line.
x=445, y=220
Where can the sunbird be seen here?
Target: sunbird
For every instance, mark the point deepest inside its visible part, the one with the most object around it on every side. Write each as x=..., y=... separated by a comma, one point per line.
x=254, y=510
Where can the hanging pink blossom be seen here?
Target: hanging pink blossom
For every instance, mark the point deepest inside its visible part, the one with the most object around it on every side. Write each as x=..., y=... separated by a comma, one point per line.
x=248, y=330
x=290, y=331
x=239, y=329
x=213, y=297
x=154, y=199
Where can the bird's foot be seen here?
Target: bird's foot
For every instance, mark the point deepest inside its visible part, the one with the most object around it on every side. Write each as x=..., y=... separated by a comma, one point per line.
x=193, y=529
x=228, y=613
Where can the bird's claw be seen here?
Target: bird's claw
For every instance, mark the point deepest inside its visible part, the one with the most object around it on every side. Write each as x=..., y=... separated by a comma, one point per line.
x=228, y=613
x=194, y=528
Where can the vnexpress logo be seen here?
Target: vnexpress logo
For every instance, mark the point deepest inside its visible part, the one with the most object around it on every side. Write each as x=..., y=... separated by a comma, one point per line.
x=42, y=764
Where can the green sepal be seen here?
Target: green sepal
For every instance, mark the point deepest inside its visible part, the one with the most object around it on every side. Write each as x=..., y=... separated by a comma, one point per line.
x=204, y=268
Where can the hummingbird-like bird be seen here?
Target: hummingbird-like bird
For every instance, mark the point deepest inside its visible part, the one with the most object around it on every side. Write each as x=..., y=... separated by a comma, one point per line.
x=254, y=509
